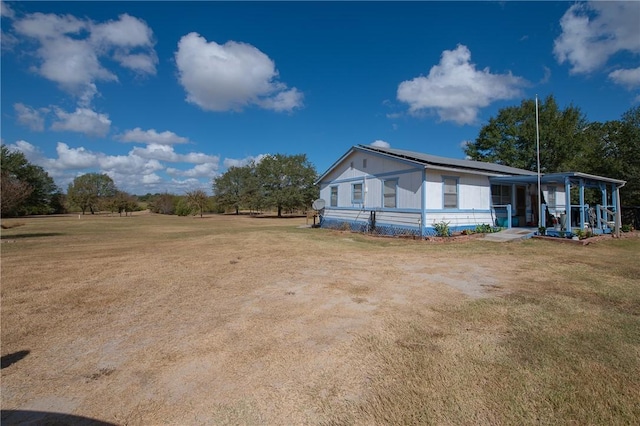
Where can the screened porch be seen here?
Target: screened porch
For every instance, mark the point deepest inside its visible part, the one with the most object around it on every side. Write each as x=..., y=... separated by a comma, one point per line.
x=569, y=203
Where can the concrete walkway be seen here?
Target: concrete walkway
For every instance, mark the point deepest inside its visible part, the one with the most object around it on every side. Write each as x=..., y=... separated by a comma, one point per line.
x=511, y=234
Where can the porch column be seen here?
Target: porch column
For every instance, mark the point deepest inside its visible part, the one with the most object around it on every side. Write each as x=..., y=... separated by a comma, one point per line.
x=423, y=208
x=567, y=203
x=616, y=193
x=581, y=203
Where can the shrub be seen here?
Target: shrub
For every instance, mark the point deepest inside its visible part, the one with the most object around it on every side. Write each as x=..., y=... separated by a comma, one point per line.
x=626, y=228
x=485, y=229
x=442, y=229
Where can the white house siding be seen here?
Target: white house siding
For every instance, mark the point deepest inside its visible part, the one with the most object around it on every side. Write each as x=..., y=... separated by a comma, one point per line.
x=375, y=165
x=474, y=197
x=461, y=220
x=474, y=191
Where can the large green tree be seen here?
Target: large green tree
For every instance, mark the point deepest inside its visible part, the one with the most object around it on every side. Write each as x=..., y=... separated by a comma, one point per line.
x=510, y=137
x=287, y=181
x=91, y=191
x=568, y=142
x=236, y=187
x=614, y=151
x=29, y=188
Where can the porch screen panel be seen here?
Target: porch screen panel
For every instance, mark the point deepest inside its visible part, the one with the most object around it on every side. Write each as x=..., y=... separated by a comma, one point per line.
x=450, y=193
x=500, y=195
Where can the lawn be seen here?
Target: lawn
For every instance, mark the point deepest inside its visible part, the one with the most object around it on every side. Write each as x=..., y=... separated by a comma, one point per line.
x=157, y=319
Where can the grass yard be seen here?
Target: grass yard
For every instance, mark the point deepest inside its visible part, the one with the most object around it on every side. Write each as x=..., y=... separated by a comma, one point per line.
x=235, y=320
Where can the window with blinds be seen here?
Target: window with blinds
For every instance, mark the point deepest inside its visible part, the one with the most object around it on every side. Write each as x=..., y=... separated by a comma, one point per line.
x=389, y=193
x=450, y=193
x=334, y=196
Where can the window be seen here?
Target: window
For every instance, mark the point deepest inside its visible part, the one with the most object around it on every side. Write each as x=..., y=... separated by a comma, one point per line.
x=389, y=193
x=364, y=163
x=356, y=193
x=334, y=197
x=501, y=195
x=450, y=193
x=551, y=191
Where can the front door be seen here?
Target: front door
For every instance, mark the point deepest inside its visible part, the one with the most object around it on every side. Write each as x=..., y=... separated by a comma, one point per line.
x=521, y=205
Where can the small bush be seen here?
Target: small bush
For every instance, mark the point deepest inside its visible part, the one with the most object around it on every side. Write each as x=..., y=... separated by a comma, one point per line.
x=442, y=229
x=485, y=228
x=626, y=228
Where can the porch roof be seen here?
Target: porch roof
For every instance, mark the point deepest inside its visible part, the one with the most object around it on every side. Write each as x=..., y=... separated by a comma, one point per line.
x=558, y=178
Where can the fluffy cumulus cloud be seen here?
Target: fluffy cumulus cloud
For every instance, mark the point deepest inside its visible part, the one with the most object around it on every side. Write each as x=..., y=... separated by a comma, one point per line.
x=82, y=120
x=234, y=162
x=70, y=50
x=626, y=77
x=381, y=144
x=168, y=154
x=132, y=173
x=456, y=90
x=151, y=136
x=594, y=32
x=30, y=117
x=231, y=76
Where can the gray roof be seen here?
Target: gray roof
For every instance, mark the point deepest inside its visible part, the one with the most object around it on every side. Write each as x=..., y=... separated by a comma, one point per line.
x=450, y=162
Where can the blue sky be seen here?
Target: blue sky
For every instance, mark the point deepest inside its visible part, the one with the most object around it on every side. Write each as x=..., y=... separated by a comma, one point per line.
x=164, y=96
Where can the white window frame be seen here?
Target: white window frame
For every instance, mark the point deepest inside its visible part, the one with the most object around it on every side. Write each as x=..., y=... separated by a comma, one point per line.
x=395, y=193
x=355, y=200
x=445, y=193
x=333, y=202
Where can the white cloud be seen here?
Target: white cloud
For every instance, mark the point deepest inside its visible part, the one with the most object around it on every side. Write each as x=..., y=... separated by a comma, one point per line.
x=166, y=153
x=151, y=136
x=69, y=49
x=231, y=76
x=82, y=120
x=593, y=32
x=131, y=173
x=456, y=90
x=6, y=11
x=30, y=117
x=626, y=77
x=381, y=144
x=205, y=170
x=233, y=162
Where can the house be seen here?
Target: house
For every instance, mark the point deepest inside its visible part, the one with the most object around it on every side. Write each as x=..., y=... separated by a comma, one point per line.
x=395, y=192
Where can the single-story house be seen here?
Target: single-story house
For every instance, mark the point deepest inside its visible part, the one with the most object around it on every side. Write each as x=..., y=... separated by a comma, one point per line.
x=393, y=191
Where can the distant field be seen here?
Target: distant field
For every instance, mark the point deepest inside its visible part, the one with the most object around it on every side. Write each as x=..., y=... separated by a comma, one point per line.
x=156, y=319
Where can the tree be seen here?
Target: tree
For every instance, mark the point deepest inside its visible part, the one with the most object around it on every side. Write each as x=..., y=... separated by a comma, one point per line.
x=122, y=202
x=19, y=176
x=510, y=138
x=14, y=193
x=615, y=152
x=163, y=203
x=198, y=200
x=236, y=187
x=287, y=181
x=90, y=191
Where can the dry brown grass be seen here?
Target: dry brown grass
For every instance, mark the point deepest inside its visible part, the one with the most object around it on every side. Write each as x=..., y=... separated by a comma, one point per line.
x=234, y=320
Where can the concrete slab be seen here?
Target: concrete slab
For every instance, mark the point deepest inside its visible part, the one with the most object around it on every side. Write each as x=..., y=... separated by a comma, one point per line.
x=511, y=235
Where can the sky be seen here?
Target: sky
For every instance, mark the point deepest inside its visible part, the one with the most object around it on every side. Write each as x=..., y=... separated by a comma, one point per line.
x=164, y=96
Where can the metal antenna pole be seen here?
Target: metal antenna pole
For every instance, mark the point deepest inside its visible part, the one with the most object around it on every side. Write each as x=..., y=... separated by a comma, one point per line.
x=538, y=160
